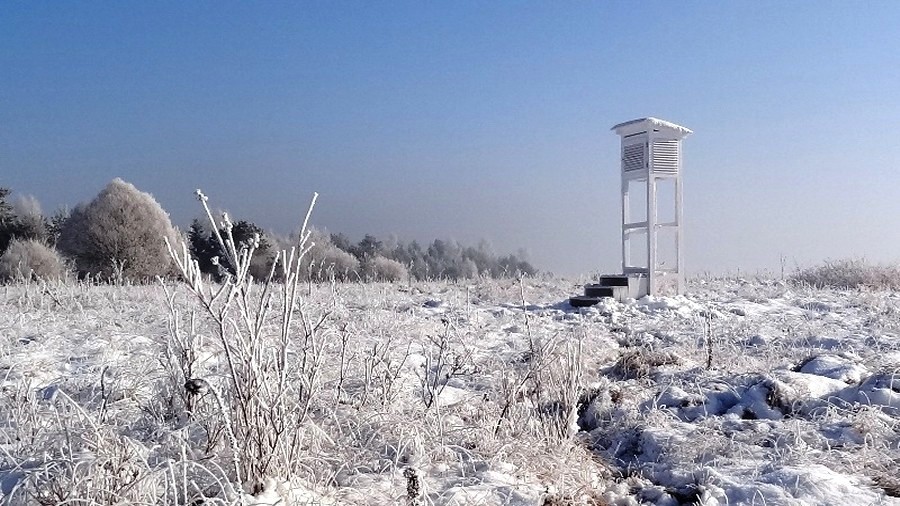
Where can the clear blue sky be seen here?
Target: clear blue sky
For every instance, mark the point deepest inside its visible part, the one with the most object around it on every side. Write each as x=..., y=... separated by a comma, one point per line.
x=470, y=120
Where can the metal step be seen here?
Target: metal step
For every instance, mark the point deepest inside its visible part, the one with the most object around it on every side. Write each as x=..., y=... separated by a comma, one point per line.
x=632, y=285
x=616, y=280
x=597, y=290
x=584, y=301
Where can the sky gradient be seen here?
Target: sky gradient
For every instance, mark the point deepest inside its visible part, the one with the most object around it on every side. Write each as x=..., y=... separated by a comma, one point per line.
x=470, y=120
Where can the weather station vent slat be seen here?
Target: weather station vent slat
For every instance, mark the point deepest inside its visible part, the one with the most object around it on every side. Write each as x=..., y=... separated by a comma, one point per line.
x=665, y=156
x=633, y=157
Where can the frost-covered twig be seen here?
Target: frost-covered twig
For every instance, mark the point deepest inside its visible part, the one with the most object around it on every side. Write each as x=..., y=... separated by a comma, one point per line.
x=265, y=399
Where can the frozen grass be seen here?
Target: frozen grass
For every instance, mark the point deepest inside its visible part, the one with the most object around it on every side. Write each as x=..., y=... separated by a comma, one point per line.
x=488, y=393
x=850, y=273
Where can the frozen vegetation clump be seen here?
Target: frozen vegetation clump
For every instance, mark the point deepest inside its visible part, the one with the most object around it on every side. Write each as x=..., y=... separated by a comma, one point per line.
x=326, y=261
x=31, y=259
x=379, y=268
x=119, y=235
x=850, y=274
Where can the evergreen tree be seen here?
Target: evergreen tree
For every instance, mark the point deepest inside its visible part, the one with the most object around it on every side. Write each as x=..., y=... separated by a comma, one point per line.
x=7, y=220
x=342, y=242
x=203, y=247
x=6, y=212
x=22, y=221
x=368, y=247
x=55, y=225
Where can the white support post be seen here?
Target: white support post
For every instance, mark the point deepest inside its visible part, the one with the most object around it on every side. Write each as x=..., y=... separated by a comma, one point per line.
x=679, y=233
x=652, y=264
x=626, y=218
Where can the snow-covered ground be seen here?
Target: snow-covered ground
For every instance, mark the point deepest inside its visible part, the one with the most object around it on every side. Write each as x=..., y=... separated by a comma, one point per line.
x=741, y=392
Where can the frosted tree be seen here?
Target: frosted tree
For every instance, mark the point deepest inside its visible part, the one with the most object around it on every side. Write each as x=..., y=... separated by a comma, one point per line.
x=119, y=234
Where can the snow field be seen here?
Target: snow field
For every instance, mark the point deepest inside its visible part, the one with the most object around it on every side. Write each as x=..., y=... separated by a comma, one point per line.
x=490, y=393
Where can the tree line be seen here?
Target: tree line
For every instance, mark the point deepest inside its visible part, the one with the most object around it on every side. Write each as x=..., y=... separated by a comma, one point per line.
x=120, y=235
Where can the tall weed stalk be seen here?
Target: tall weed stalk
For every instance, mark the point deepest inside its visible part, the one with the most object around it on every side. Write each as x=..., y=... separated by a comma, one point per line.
x=272, y=351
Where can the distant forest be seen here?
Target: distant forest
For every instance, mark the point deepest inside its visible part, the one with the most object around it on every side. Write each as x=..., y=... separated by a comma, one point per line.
x=370, y=259
x=120, y=234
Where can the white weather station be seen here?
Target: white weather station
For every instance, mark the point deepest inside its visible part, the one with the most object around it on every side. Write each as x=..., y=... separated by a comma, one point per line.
x=652, y=261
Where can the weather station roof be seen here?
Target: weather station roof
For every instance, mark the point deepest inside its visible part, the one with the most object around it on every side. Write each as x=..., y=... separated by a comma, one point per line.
x=641, y=125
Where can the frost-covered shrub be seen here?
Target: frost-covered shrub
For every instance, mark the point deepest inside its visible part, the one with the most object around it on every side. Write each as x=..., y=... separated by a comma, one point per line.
x=636, y=364
x=30, y=259
x=206, y=250
x=267, y=398
x=245, y=233
x=384, y=269
x=30, y=218
x=120, y=232
x=337, y=261
x=468, y=269
x=441, y=259
x=20, y=220
x=326, y=259
x=849, y=273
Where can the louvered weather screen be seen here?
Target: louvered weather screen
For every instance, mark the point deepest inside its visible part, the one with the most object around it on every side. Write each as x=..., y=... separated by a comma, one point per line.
x=665, y=156
x=651, y=157
x=633, y=157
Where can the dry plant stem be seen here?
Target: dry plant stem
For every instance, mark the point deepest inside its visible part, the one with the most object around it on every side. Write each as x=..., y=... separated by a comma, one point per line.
x=441, y=364
x=180, y=356
x=538, y=357
x=261, y=404
x=343, y=365
x=524, y=306
x=519, y=386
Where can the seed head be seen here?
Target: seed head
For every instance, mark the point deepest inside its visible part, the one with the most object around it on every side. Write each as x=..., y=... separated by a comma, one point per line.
x=196, y=386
